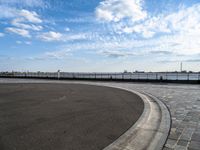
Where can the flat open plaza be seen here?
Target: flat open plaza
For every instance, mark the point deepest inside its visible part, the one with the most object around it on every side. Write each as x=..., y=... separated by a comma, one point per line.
x=182, y=101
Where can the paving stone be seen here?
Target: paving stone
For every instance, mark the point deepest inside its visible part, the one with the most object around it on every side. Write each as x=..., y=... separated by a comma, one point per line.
x=179, y=130
x=187, y=134
x=166, y=148
x=179, y=147
x=194, y=145
x=170, y=143
x=191, y=149
x=174, y=135
x=182, y=143
x=196, y=137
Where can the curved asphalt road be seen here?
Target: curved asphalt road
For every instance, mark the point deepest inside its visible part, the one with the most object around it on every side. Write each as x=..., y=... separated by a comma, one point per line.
x=64, y=116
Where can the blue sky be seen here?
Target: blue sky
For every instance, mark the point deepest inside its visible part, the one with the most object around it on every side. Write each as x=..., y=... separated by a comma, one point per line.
x=99, y=35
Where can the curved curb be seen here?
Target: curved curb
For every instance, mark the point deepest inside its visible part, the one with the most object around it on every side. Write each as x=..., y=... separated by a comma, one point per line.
x=151, y=130
x=165, y=124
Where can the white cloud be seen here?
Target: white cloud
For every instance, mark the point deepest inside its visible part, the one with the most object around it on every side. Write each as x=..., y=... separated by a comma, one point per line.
x=18, y=22
x=79, y=36
x=61, y=53
x=12, y=12
x=24, y=42
x=104, y=15
x=7, y=12
x=21, y=32
x=19, y=42
x=2, y=34
x=58, y=54
x=28, y=42
x=83, y=19
x=29, y=3
x=121, y=46
x=147, y=28
x=116, y=10
x=22, y=20
x=51, y=36
x=30, y=16
x=117, y=53
x=56, y=36
x=67, y=29
x=184, y=21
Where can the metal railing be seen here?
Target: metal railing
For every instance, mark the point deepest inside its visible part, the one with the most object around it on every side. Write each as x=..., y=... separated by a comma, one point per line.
x=159, y=76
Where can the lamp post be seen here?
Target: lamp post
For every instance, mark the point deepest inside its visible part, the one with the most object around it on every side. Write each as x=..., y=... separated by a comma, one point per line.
x=181, y=67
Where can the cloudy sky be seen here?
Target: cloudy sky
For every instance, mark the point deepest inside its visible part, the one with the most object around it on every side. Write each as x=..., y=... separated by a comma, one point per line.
x=99, y=35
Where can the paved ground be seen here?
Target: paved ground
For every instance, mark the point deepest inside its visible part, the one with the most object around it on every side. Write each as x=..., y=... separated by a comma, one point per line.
x=183, y=102
x=64, y=116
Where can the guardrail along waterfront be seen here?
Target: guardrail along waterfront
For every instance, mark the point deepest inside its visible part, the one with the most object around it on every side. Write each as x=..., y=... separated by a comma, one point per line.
x=193, y=77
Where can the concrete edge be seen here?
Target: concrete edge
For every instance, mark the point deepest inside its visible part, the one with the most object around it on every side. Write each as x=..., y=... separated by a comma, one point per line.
x=165, y=123
x=151, y=130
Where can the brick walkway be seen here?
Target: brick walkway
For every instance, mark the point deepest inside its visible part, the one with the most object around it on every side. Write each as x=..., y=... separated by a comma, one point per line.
x=183, y=102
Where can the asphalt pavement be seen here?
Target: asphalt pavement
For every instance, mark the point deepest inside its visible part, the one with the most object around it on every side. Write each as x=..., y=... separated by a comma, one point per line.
x=64, y=116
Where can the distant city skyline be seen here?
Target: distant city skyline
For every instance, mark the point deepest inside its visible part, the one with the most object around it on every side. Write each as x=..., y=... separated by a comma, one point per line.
x=99, y=35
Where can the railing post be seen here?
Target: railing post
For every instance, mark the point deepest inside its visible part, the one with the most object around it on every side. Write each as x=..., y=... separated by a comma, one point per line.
x=198, y=76
x=58, y=74
x=156, y=76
